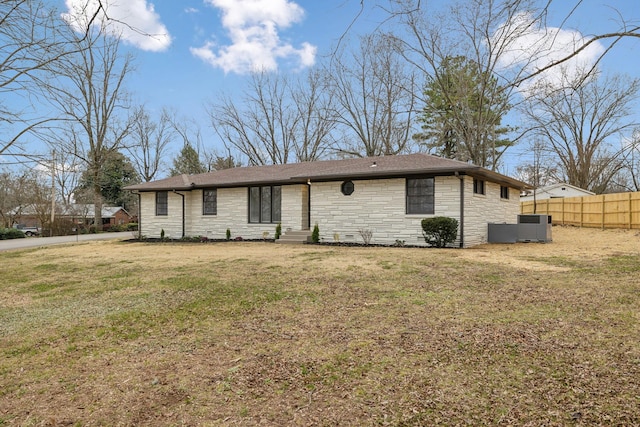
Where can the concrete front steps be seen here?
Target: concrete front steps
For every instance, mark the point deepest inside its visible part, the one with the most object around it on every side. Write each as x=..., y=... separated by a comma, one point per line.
x=295, y=237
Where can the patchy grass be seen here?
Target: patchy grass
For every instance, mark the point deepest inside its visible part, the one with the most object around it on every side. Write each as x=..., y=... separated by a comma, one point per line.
x=109, y=333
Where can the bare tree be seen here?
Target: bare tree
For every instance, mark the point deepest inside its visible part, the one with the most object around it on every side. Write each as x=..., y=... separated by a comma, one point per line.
x=316, y=117
x=260, y=128
x=540, y=170
x=278, y=120
x=149, y=141
x=15, y=194
x=66, y=168
x=582, y=127
x=633, y=162
x=375, y=96
x=30, y=41
x=486, y=33
x=89, y=93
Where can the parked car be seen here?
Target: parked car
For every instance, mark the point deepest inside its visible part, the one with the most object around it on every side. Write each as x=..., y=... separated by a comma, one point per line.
x=29, y=231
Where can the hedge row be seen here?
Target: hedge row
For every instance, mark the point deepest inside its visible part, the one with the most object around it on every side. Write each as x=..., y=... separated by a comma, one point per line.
x=11, y=233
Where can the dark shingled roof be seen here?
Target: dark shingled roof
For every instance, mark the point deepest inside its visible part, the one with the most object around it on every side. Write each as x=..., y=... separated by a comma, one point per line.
x=328, y=170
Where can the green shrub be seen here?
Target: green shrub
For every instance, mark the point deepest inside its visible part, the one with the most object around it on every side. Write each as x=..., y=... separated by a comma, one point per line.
x=132, y=226
x=315, y=235
x=439, y=231
x=11, y=233
x=228, y=234
x=118, y=227
x=278, y=231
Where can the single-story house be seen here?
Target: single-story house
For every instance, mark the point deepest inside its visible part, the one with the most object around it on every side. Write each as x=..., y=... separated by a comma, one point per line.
x=386, y=196
x=554, y=191
x=78, y=213
x=84, y=213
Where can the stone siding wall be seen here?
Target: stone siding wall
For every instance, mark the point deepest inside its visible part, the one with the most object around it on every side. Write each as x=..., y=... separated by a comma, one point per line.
x=375, y=205
x=378, y=206
x=481, y=209
x=232, y=214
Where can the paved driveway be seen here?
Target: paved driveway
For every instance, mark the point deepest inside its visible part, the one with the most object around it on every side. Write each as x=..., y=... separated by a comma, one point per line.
x=32, y=242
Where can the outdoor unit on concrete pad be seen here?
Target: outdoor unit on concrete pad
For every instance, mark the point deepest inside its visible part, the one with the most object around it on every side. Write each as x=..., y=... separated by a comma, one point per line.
x=534, y=228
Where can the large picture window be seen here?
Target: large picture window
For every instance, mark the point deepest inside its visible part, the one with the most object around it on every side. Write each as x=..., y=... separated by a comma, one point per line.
x=210, y=201
x=162, y=203
x=265, y=204
x=420, y=195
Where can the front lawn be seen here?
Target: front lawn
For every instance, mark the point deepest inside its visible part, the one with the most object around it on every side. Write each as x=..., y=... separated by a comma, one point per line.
x=238, y=333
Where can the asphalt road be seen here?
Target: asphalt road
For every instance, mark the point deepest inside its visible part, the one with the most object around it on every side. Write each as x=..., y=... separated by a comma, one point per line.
x=33, y=242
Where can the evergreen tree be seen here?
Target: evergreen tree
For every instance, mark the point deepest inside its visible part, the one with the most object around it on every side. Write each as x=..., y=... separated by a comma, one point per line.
x=462, y=114
x=188, y=162
x=116, y=173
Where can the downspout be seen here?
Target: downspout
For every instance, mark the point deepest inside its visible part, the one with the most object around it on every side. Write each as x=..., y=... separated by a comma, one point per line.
x=183, y=219
x=461, y=178
x=139, y=215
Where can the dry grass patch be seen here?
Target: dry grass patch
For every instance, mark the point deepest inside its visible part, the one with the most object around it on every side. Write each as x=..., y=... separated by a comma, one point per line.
x=110, y=333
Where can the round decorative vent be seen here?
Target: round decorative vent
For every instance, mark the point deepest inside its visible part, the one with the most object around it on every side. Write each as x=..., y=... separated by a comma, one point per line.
x=347, y=188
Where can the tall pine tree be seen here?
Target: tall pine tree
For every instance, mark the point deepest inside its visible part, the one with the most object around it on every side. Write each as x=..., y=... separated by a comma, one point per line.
x=464, y=106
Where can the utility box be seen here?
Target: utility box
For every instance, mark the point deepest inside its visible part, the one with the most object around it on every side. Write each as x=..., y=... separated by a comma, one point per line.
x=502, y=233
x=534, y=228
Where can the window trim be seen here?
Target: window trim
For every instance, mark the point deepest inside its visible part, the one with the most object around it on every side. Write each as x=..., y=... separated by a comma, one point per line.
x=479, y=186
x=215, y=202
x=159, y=203
x=432, y=205
x=272, y=219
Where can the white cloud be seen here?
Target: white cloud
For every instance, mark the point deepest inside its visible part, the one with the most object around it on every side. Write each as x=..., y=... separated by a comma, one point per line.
x=252, y=26
x=135, y=21
x=533, y=48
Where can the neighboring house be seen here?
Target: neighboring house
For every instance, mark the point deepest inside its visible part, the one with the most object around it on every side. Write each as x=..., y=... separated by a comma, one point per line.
x=559, y=190
x=388, y=196
x=81, y=213
x=78, y=213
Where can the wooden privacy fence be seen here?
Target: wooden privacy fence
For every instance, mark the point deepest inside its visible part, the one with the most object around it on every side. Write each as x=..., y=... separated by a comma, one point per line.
x=618, y=210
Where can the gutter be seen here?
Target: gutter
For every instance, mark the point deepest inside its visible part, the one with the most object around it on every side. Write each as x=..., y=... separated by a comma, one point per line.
x=183, y=218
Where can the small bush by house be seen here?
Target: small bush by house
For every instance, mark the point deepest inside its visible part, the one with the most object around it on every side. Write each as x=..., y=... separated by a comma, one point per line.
x=439, y=231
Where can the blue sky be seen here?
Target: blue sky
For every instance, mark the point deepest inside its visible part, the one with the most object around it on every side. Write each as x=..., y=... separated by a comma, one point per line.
x=204, y=47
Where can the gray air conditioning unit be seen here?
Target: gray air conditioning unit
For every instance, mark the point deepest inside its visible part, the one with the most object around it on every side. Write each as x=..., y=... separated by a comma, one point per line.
x=534, y=228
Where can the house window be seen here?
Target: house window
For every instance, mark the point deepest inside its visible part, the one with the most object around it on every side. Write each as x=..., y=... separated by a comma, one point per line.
x=210, y=201
x=478, y=186
x=504, y=192
x=264, y=204
x=162, y=203
x=347, y=188
x=420, y=196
